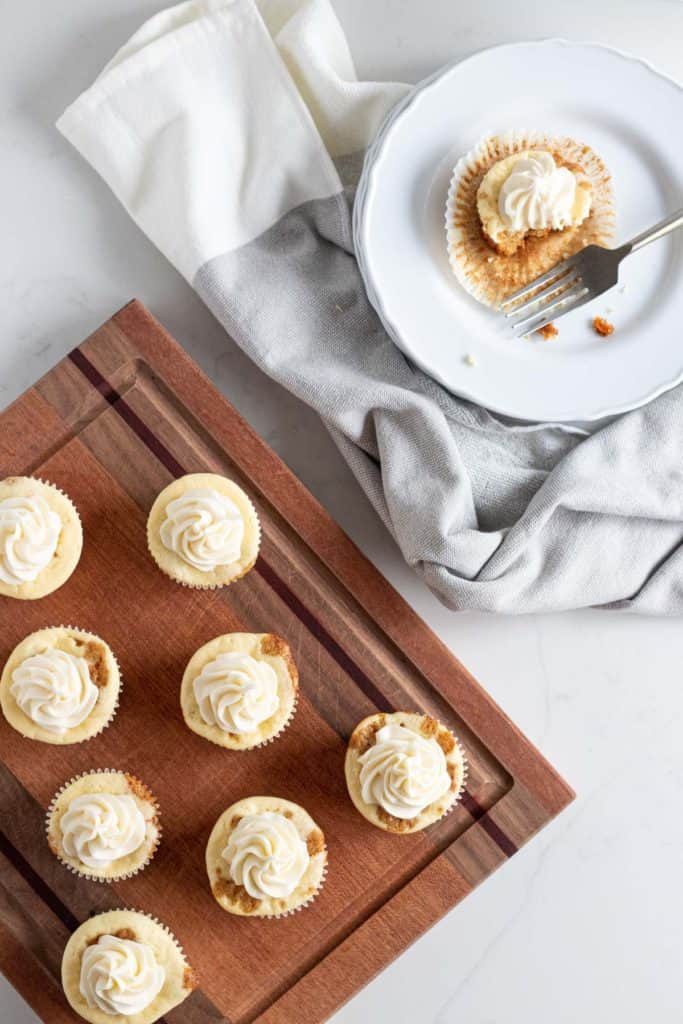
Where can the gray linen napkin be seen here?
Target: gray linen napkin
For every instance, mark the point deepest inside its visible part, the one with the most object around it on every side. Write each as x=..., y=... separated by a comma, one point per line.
x=233, y=133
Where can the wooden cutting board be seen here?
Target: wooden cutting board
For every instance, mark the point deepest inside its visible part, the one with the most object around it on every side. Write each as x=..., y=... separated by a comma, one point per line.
x=112, y=424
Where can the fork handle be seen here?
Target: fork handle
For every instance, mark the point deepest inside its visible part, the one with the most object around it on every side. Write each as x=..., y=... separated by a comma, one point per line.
x=670, y=223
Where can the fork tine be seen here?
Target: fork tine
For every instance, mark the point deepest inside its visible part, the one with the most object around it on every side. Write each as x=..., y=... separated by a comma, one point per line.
x=557, y=271
x=567, y=282
x=579, y=296
x=551, y=305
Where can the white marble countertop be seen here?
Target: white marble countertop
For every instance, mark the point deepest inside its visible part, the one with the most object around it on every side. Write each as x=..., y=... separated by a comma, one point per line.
x=586, y=922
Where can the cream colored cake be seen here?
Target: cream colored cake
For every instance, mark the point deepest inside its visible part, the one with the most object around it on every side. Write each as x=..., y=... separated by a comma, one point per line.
x=104, y=825
x=203, y=531
x=40, y=538
x=60, y=685
x=518, y=204
x=240, y=690
x=124, y=966
x=265, y=857
x=404, y=770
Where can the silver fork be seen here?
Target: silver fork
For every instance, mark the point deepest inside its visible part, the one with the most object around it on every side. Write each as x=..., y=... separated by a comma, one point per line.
x=575, y=281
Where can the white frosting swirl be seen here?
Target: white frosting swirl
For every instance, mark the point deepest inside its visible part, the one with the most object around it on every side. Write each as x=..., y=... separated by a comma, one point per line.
x=204, y=528
x=236, y=692
x=99, y=828
x=120, y=976
x=403, y=772
x=29, y=534
x=537, y=194
x=266, y=855
x=54, y=689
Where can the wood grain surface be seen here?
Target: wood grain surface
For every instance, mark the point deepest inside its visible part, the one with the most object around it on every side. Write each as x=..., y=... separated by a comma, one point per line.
x=112, y=424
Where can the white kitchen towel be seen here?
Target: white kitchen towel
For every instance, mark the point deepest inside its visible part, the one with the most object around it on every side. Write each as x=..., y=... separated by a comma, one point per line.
x=233, y=132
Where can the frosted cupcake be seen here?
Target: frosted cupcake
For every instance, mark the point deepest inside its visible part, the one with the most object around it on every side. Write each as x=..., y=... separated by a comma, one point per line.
x=265, y=857
x=240, y=690
x=404, y=770
x=203, y=531
x=104, y=825
x=123, y=965
x=40, y=538
x=60, y=686
x=518, y=204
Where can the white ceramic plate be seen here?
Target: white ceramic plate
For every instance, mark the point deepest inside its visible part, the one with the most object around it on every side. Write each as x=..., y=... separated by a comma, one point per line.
x=621, y=107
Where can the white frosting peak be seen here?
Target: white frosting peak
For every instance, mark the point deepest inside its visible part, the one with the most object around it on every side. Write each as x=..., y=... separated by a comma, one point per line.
x=29, y=534
x=54, y=689
x=99, y=828
x=120, y=976
x=204, y=528
x=403, y=772
x=236, y=692
x=266, y=855
x=537, y=194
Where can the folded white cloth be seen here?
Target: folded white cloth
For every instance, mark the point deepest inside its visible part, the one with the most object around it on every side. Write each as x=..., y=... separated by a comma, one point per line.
x=233, y=133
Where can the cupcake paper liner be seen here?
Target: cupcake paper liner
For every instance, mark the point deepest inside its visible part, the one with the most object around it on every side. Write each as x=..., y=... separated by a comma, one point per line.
x=84, y=873
x=115, y=706
x=74, y=509
x=487, y=276
x=306, y=902
x=455, y=798
x=215, y=586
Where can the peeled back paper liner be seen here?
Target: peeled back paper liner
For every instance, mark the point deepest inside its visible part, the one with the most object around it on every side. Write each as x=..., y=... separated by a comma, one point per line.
x=490, y=277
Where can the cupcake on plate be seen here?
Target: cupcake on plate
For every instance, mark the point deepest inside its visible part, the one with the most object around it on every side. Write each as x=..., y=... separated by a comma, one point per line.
x=266, y=857
x=60, y=685
x=404, y=770
x=40, y=538
x=104, y=825
x=518, y=204
x=240, y=690
x=124, y=965
x=203, y=531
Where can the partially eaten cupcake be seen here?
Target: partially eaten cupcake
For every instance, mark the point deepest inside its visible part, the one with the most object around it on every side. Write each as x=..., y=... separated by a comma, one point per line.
x=518, y=204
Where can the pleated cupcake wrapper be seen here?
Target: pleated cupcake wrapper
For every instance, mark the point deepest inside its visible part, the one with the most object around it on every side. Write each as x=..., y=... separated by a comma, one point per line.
x=84, y=872
x=48, y=483
x=115, y=708
x=216, y=586
x=54, y=487
x=455, y=799
x=306, y=903
x=479, y=160
x=264, y=743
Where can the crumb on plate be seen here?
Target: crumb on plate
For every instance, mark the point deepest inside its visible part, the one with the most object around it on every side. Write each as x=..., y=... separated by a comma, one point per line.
x=603, y=327
x=469, y=360
x=548, y=332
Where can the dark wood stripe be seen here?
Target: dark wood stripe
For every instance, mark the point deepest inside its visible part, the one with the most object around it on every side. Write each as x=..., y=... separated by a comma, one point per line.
x=304, y=614
x=19, y=862
x=493, y=831
x=119, y=403
x=322, y=636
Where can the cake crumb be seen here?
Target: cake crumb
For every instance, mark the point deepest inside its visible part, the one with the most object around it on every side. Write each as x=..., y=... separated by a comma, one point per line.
x=603, y=327
x=469, y=360
x=548, y=332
